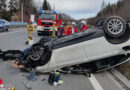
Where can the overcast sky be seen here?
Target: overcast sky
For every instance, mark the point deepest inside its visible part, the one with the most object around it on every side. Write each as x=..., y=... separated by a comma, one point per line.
x=78, y=8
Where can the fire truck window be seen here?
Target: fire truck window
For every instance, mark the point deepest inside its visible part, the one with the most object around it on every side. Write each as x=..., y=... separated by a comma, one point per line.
x=48, y=16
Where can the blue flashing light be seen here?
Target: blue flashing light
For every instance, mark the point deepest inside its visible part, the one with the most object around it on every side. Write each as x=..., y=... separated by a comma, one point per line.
x=40, y=11
x=54, y=12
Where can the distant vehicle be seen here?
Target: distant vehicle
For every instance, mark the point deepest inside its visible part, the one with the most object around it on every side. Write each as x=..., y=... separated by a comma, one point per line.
x=34, y=24
x=94, y=49
x=4, y=25
x=45, y=21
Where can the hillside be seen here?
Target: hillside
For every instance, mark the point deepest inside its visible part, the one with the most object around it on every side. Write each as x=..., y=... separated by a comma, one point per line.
x=122, y=8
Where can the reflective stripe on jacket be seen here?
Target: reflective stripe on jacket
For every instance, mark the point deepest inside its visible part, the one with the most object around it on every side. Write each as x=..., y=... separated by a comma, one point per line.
x=30, y=27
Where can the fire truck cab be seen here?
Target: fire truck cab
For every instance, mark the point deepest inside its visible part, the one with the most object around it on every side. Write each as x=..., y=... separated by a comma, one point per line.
x=46, y=18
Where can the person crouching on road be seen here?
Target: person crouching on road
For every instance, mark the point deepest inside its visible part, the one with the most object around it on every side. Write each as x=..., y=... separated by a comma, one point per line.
x=72, y=29
x=18, y=62
x=30, y=29
x=83, y=26
x=54, y=30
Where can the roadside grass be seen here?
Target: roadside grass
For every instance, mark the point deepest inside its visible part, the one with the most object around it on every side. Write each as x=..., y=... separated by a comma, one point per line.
x=125, y=69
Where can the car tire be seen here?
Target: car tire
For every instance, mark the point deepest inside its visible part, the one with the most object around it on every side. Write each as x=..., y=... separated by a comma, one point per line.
x=7, y=29
x=114, y=26
x=36, y=53
x=2, y=29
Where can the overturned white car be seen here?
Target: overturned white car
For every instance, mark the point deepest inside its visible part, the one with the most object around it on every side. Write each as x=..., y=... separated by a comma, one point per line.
x=94, y=49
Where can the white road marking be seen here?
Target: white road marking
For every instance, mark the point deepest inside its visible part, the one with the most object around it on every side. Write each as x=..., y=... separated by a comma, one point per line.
x=95, y=83
x=112, y=78
x=11, y=32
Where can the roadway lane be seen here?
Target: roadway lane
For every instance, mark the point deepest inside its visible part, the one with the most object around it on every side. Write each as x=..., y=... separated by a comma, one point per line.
x=15, y=39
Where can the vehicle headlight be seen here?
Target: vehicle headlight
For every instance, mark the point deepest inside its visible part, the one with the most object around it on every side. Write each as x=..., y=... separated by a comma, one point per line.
x=39, y=28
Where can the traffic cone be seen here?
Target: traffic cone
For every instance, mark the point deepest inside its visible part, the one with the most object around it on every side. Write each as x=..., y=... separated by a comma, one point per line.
x=32, y=75
x=1, y=83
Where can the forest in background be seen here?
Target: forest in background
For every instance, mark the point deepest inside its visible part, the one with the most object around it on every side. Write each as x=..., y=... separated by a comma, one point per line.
x=121, y=8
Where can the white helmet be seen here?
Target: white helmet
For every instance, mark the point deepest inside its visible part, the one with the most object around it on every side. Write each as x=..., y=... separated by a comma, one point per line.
x=73, y=23
x=68, y=22
x=83, y=22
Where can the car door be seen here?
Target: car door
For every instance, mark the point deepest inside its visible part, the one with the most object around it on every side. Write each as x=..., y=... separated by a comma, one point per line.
x=69, y=53
x=4, y=25
x=99, y=48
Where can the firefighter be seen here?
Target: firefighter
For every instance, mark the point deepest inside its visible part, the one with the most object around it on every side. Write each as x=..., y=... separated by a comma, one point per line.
x=18, y=62
x=83, y=26
x=72, y=29
x=30, y=29
x=54, y=30
x=68, y=26
x=62, y=30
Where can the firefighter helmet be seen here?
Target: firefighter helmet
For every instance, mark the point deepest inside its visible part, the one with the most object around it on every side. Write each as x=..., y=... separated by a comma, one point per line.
x=73, y=23
x=83, y=22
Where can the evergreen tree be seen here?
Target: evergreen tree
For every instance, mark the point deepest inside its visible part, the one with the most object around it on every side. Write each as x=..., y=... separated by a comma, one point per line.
x=2, y=4
x=2, y=7
x=12, y=6
x=46, y=5
x=103, y=5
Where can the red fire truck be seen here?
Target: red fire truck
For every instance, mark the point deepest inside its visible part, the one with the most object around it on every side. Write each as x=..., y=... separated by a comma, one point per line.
x=45, y=21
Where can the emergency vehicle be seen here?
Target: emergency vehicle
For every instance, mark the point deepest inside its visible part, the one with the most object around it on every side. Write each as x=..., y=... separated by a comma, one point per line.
x=46, y=18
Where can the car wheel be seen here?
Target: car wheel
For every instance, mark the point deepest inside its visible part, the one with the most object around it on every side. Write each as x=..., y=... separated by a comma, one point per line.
x=7, y=30
x=2, y=29
x=115, y=26
x=36, y=53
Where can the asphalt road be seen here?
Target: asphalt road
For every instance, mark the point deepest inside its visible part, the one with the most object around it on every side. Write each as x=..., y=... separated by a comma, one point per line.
x=15, y=39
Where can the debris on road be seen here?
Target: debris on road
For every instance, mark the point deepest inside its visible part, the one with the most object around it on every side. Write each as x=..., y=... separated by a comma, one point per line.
x=54, y=78
x=32, y=75
x=12, y=88
x=27, y=86
x=43, y=79
x=9, y=54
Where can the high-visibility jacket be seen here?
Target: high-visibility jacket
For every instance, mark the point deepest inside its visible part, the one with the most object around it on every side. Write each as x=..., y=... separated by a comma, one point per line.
x=69, y=30
x=62, y=31
x=84, y=27
x=30, y=27
x=53, y=31
x=1, y=82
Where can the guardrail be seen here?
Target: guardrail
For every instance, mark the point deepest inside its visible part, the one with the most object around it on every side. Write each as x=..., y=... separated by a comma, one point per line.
x=17, y=24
